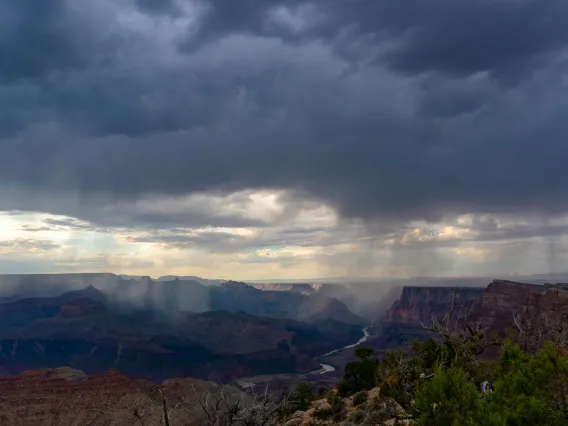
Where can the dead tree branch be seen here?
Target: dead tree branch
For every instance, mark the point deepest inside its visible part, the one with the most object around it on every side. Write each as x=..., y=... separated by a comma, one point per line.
x=535, y=325
x=231, y=409
x=465, y=338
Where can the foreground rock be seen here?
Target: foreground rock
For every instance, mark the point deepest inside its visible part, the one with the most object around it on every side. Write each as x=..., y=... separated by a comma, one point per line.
x=67, y=397
x=365, y=408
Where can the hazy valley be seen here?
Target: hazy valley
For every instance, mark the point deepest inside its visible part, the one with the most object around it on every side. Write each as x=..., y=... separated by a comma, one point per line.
x=252, y=337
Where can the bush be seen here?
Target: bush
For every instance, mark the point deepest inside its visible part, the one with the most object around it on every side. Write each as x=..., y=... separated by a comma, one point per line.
x=376, y=414
x=451, y=399
x=300, y=399
x=338, y=417
x=359, y=398
x=333, y=398
x=323, y=413
x=358, y=416
x=335, y=401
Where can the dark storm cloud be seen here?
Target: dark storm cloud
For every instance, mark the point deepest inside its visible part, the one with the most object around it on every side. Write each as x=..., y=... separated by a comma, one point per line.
x=158, y=6
x=382, y=109
x=456, y=37
x=464, y=37
x=36, y=38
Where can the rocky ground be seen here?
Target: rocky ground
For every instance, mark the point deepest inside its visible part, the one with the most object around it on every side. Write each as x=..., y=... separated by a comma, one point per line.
x=67, y=397
x=365, y=408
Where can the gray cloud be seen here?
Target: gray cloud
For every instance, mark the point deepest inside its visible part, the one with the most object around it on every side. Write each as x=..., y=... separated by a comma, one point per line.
x=29, y=244
x=158, y=6
x=37, y=39
x=224, y=242
x=382, y=110
x=504, y=37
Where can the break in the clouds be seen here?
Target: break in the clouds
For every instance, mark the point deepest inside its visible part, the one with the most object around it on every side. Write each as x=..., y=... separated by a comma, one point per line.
x=293, y=138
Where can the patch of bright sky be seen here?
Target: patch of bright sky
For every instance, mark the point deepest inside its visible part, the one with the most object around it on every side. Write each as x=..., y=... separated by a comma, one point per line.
x=432, y=233
x=31, y=226
x=79, y=245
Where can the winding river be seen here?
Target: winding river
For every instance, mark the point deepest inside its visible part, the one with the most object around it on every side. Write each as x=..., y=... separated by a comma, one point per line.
x=326, y=368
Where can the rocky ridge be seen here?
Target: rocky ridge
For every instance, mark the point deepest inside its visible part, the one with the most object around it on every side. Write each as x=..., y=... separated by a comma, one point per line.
x=366, y=407
x=66, y=397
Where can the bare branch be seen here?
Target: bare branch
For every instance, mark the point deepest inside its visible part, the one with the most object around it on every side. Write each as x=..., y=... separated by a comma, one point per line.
x=465, y=337
x=535, y=325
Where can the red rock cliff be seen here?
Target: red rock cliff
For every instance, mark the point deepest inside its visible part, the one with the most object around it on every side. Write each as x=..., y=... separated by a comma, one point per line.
x=416, y=305
x=501, y=299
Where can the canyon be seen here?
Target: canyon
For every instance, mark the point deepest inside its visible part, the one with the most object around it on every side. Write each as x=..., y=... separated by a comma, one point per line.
x=249, y=332
x=254, y=336
x=175, y=295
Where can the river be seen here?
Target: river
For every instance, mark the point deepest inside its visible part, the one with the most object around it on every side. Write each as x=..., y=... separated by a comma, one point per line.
x=326, y=368
x=249, y=383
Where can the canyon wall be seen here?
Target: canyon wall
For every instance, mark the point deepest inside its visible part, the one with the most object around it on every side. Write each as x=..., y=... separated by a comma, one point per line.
x=416, y=305
x=502, y=299
x=493, y=305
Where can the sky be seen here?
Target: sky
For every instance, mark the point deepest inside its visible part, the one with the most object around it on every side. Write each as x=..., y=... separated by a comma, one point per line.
x=280, y=139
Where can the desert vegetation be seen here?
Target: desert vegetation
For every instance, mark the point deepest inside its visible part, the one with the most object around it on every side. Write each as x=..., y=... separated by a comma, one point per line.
x=439, y=381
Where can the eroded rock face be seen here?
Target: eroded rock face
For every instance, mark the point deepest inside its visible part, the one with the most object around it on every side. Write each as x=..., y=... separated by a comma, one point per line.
x=502, y=299
x=416, y=305
x=66, y=397
x=82, y=307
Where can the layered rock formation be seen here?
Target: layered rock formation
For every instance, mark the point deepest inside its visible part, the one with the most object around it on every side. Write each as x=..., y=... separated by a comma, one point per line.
x=237, y=296
x=494, y=306
x=417, y=305
x=76, y=330
x=502, y=299
x=171, y=296
x=74, y=303
x=333, y=309
x=403, y=322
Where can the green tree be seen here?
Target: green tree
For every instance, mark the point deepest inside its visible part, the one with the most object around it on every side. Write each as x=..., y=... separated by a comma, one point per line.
x=360, y=374
x=429, y=353
x=399, y=374
x=451, y=399
x=532, y=390
x=301, y=398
